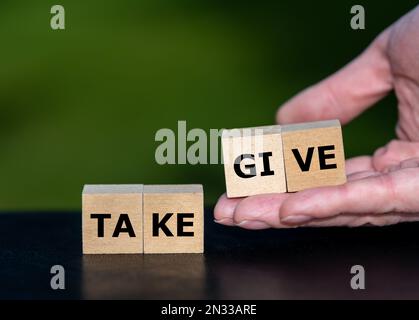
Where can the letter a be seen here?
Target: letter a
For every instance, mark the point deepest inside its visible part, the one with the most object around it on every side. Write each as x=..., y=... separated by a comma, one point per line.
x=58, y=18
x=358, y=280
x=358, y=20
x=58, y=280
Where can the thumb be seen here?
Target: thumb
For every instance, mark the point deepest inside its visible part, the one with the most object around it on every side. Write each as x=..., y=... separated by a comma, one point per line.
x=346, y=93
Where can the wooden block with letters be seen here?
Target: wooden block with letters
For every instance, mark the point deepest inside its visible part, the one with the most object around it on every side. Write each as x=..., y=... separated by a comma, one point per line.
x=112, y=218
x=253, y=161
x=173, y=219
x=313, y=154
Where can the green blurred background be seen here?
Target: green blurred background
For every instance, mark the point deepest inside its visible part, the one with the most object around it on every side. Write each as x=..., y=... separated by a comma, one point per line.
x=83, y=105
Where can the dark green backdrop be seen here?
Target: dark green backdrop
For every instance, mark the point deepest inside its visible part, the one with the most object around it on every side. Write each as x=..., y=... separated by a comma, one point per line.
x=82, y=105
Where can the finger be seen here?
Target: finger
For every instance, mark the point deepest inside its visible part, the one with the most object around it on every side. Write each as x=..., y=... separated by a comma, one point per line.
x=357, y=196
x=393, y=153
x=224, y=210
x=348, y=220
x=376, y=194
x=336, y=221
x=354, y=220
x=392, y=168
x=362, y=174
x=260, y=211
x=346, y=93
x=409, y=163
x=356, y=164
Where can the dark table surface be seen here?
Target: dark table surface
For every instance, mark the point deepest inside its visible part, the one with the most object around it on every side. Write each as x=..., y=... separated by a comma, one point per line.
x=237, y=264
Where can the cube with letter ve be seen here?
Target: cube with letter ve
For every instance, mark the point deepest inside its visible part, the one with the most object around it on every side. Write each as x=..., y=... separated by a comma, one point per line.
x=112, y=218
x=173, y=219
x=313, y=154
x=253, y=161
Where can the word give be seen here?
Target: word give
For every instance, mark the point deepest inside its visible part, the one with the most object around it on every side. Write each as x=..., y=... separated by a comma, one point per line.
x=283, y=158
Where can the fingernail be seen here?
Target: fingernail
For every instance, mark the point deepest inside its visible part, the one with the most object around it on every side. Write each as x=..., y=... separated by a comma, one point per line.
x=253, y=224
x=296, y=219
x=224, y=221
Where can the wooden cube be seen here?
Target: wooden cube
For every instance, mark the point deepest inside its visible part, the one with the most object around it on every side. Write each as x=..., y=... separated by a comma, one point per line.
x=253, y=161
x=313, y=154
x=173, y=219
x=112, y=218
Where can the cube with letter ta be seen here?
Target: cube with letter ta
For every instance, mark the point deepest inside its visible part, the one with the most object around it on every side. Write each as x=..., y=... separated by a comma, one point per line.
x=112, y=218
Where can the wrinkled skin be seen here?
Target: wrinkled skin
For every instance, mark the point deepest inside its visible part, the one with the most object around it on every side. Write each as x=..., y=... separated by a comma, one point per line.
x=382, y=189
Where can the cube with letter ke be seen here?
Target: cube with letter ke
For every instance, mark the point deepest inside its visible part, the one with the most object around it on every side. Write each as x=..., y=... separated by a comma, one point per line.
x=253, y=161
x=173, y=219
x=112, y=218
x=313, y=154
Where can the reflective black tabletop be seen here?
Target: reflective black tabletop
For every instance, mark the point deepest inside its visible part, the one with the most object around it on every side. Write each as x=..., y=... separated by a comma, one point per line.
x=237, y=264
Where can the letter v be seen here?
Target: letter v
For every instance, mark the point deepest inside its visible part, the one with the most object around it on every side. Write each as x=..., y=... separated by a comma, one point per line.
x=304, y=165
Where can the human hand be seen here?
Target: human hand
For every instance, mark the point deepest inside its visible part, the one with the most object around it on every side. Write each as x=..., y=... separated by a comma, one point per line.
x=382, y=189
